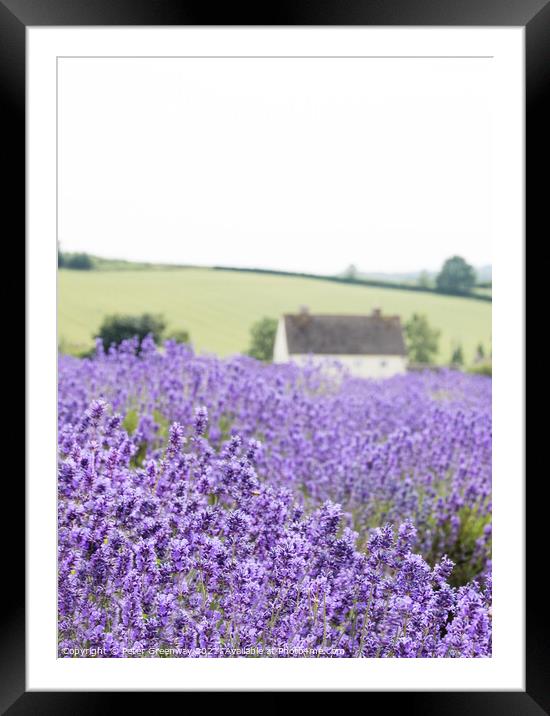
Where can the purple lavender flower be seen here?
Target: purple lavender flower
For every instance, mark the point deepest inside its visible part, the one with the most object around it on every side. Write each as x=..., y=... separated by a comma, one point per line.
x=332, y=517
x=176, y=439
x=201, y=420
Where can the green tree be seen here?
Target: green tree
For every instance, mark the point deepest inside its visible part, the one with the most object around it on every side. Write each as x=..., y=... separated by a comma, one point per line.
x=60, y=256
x=456, y=276
x=422, y=339
x=457, y=356
x=81, y=262
x=179, y=336
x=480, y=354
x=262, y=339
x=117, y=328
x=351, y=272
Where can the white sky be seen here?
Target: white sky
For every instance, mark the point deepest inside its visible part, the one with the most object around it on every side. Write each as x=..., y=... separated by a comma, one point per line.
x=295, y=164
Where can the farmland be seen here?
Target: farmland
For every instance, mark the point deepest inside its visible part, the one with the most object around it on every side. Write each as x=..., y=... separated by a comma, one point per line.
x=228, y=508
x=218, y=307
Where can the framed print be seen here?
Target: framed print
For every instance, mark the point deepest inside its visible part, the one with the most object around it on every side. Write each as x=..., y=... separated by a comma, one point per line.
x=269, y=259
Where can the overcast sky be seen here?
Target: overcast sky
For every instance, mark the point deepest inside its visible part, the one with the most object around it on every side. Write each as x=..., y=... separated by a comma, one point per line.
x=304, y=164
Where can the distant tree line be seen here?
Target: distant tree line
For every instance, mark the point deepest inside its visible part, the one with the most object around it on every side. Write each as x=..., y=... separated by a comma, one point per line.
x=455, y=278
x=78, y=261
x=350, y=277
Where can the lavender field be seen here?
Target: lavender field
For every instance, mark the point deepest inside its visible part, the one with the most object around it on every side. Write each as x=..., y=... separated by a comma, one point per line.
x=229, y=508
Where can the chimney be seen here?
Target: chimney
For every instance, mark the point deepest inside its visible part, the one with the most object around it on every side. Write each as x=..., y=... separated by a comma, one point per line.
x=303, y=317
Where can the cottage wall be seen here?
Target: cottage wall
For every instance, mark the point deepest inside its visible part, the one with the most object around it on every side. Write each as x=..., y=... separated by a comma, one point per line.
x=280, y=349
x=364, y=366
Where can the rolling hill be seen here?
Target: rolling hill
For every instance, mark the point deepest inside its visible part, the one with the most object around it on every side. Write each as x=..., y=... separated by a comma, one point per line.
x=218, y=307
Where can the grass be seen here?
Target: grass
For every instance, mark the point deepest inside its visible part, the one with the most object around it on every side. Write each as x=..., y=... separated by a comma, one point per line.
x=482, y=291
x=218, y=307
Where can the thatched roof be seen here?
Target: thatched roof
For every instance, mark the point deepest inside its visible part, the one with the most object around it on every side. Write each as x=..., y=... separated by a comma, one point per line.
x=344, y=335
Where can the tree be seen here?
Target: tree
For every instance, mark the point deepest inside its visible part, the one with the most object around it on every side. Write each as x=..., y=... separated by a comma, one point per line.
x=262, y=339
x=422, y=339
x=480, y=354
x=457, y=357
x=60, y=256
x=179, y=336
x=81, y=262
x=456, y=276
x=351, y=272
x=117, y=328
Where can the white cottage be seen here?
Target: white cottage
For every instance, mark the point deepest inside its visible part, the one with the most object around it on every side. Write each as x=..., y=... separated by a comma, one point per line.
x=369, y=346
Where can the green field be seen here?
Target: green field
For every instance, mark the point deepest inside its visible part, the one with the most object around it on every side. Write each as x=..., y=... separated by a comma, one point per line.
x=218, y=307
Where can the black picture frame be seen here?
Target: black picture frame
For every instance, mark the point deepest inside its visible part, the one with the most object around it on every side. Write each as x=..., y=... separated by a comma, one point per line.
x=15, y=17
